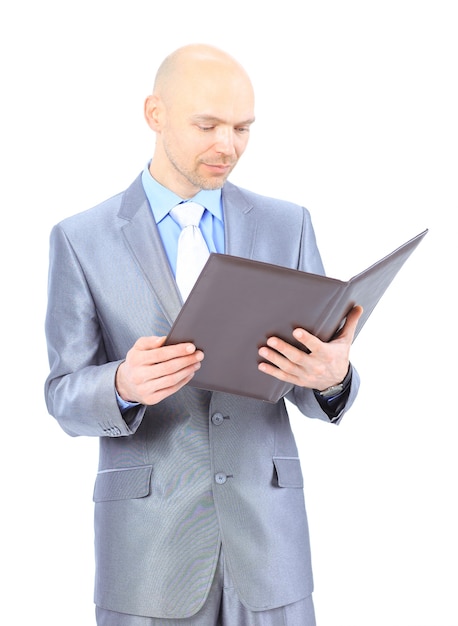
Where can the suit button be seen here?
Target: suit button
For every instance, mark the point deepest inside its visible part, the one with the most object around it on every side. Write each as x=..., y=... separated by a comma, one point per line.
x=220, y=478
x=217, y=419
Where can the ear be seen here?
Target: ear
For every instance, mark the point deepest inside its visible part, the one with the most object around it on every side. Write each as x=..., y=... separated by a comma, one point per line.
x=154, y=112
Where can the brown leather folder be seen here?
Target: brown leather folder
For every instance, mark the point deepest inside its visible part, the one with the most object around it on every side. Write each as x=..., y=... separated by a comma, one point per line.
x=237, y=303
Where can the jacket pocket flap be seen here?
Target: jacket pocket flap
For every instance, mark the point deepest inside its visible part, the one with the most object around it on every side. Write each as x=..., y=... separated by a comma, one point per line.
x=123, y=483
x=289, y=472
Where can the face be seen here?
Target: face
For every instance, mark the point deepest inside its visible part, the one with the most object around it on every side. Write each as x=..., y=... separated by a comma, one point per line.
x=202, y=131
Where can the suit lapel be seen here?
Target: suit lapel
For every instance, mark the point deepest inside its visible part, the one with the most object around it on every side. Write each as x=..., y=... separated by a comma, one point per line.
x=145, y=245
x=240, y=223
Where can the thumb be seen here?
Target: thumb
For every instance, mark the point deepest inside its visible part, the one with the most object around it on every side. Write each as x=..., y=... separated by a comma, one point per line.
x=352, y=321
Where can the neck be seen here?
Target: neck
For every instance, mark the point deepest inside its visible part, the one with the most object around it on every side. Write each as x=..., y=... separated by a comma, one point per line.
x=184, y=188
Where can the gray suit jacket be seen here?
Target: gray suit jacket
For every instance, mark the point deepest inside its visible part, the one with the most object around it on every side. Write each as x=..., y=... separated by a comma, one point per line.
x=199, y=469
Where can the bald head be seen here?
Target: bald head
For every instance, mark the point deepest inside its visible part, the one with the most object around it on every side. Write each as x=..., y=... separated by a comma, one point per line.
x=192, y=64
x=201, y=110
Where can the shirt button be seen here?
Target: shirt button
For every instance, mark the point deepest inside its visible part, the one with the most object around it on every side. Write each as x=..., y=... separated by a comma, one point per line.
x=220, y=478
x=217, y=419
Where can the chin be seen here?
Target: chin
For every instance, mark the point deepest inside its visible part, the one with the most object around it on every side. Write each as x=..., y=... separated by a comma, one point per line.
x=210, y=184
x=217, y=184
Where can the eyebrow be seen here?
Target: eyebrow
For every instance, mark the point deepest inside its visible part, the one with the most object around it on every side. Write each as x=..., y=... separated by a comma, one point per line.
x=217, y=120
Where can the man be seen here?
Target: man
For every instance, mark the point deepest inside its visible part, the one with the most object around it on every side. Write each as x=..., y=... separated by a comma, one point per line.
x=199, y=511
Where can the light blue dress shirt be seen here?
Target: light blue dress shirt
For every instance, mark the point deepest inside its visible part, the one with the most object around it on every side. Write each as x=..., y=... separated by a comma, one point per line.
x=162, y=201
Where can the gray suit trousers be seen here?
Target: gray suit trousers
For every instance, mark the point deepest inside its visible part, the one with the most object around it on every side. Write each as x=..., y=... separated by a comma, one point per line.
x=222, y=608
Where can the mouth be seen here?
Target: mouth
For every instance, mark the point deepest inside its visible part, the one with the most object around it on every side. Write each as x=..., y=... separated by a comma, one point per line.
x=219, y=168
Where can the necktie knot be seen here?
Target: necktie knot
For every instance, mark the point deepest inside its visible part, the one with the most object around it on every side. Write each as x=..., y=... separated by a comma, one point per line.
x=187, y=214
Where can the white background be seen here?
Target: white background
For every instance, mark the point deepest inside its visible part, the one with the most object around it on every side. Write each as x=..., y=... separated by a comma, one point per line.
x=357, y=120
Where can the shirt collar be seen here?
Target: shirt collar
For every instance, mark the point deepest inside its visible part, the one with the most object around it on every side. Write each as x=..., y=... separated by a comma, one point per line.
x=162, y=200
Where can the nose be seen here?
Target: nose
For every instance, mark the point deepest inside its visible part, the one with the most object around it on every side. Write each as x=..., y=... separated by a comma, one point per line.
x=225, y=140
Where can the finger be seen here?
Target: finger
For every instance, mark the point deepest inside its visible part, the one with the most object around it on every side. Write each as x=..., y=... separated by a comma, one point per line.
x=160, y=393
x=283, y=355
x=173, y=366
x=177, y=351
x=351, y=322
x=310, y=342
x=276, y=372
x=175, y=376
x=149, y=343
x=154, y=351
x=153, y=343
x=284, y=348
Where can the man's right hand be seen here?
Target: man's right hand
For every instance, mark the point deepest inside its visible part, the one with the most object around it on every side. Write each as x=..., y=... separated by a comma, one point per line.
x=153, y=371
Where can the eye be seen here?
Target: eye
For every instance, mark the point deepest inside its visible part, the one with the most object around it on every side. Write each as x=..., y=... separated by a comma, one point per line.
x=242, y=129
x=205, y=128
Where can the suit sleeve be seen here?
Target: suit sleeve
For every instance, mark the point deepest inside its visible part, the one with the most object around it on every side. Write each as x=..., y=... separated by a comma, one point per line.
x=303, y=398
x=80, y=390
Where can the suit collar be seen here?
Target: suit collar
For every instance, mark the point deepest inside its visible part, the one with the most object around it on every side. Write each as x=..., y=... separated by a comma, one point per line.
x=145, y=244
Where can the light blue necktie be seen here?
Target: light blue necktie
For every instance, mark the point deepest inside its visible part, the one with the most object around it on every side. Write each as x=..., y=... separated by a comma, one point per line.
x=192, y=249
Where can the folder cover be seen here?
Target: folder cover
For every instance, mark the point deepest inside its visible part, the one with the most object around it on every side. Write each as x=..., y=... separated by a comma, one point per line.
x=237, y=303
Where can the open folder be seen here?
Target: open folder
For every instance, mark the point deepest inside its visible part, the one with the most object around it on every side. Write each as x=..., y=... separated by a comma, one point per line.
x=237, y=303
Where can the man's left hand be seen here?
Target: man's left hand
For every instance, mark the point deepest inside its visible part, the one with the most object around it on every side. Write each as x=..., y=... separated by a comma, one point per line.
x=320, y=366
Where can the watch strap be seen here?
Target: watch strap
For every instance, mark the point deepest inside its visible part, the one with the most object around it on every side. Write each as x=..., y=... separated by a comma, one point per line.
x=335, y=390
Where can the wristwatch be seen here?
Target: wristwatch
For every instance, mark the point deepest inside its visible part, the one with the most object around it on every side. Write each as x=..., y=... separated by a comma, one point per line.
x=335, y=390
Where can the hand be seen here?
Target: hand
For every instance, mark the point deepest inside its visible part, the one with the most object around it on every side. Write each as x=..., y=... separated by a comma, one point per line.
x=152, y=371
x=323, y=365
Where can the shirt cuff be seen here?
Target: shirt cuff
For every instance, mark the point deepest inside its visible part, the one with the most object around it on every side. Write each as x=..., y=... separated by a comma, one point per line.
x=124, y=405
x=334, y=405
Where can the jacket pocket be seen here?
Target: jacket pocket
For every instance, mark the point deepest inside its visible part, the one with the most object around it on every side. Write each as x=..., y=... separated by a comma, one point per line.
x=289, y=472
x=123, y=483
